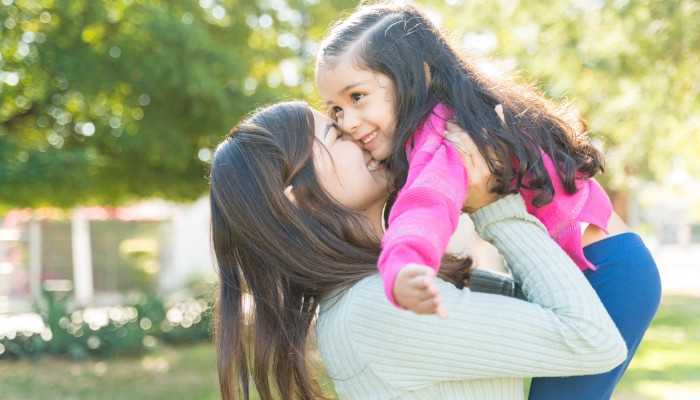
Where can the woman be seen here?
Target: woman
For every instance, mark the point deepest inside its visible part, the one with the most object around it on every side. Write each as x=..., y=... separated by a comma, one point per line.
x=296, y=226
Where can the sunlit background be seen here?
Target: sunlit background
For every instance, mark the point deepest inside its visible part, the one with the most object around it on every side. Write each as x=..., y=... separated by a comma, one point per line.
x=110, y=110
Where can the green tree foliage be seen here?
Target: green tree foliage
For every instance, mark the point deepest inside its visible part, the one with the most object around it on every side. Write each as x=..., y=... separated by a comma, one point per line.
x=629, y=66
x=104, y=101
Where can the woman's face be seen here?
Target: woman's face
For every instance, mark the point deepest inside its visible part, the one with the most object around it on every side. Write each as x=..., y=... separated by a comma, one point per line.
x=348, y=173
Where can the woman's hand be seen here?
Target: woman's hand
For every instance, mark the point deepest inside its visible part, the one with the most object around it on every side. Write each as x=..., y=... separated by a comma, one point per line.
x=479, y=192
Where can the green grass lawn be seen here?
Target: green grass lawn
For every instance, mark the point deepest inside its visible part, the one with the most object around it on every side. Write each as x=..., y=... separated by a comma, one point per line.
x=667, y=366
x=667, y=363
x=171, y=373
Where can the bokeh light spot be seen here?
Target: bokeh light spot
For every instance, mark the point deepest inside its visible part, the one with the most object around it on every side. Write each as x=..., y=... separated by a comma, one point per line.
x=88, y=129
x=28, y=37
x=115, y=52
x=204, y=154
x=144, y=99
x=11, y=78
x=265, y=21
x=137, y=114
x=218, y=12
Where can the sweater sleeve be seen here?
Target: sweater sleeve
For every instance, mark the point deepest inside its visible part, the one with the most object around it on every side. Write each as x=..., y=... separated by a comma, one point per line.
x=563, y=330
x=427, y=208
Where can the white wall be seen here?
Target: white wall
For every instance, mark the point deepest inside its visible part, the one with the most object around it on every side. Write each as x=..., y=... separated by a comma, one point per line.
x=189, y=247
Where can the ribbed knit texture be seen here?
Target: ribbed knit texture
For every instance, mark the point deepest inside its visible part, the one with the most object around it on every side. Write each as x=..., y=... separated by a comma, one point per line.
x=426, y=211
x=372, y=350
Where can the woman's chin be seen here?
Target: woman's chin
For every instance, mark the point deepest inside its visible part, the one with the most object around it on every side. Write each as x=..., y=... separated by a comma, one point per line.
x=380, y=175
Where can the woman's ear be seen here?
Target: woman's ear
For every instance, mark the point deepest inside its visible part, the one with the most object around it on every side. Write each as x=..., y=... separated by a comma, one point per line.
x=428, y=77
x=289, y=192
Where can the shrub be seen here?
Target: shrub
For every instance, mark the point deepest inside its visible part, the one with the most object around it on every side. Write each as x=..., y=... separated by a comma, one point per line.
x=142, y=325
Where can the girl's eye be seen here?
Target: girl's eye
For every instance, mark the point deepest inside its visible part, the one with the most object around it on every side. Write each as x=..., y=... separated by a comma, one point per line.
x=337, y=109
x=356, y=97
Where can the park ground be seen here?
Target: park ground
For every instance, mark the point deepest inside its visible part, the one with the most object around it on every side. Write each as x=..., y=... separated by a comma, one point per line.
x=666, y=367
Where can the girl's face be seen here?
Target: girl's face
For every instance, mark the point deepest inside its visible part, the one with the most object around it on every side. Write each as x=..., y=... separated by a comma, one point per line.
x=363, y=104
x=349, y=174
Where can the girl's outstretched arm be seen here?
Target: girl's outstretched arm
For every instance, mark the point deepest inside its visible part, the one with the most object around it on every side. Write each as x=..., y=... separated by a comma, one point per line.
x=423, y=218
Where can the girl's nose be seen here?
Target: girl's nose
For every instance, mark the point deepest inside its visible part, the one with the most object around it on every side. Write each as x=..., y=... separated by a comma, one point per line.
x=349, y=122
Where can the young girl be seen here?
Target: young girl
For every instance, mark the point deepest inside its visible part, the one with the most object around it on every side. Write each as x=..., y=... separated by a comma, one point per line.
x=391, y=80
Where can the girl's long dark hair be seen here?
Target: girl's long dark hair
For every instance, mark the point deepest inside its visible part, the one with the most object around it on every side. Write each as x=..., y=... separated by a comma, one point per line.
x=277, y=260
x=397, y=39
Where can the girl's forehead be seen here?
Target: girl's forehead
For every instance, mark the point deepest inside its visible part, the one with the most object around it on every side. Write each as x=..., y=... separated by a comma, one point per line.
x=340, y=70
x=342, y=78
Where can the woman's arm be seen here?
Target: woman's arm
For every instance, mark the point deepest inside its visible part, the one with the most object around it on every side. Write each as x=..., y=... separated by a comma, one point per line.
x=563, y=331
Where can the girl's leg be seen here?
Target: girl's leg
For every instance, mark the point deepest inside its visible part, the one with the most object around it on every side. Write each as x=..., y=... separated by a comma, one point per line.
x=627, y=282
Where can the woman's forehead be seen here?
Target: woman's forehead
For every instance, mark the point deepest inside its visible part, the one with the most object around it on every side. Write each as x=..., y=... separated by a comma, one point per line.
x=321, y=122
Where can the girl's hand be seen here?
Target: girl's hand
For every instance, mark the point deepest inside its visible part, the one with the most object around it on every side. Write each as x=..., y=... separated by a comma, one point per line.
x=415, y=290
x=479, y=192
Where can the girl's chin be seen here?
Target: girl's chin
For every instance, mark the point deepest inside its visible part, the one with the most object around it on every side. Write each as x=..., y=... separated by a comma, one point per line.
x=379, y=150
x=380, y=154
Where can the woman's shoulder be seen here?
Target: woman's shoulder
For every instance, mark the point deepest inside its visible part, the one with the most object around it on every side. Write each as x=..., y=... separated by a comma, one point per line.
x=369, y=283
x=370, y=288
x=350, y=309
x=343, y=311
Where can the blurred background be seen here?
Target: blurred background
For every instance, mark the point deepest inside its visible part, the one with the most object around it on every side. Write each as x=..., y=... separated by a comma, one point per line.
x=110, y=111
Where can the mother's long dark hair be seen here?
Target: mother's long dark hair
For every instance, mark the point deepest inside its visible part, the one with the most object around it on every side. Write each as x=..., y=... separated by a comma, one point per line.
x=397, y=39
x=276, y=260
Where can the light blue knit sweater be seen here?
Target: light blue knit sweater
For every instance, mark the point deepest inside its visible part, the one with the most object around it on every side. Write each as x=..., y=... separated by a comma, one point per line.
x=372, y=350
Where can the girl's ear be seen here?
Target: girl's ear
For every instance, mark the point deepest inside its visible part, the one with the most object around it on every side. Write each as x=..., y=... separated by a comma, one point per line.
x=289, y=192
x=428, y=77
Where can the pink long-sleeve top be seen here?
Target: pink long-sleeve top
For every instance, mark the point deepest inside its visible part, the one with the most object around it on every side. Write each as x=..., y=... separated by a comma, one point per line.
x=427, y=208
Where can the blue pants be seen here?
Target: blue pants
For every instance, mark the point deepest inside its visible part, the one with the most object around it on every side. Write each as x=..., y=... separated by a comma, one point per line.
x=627, y=282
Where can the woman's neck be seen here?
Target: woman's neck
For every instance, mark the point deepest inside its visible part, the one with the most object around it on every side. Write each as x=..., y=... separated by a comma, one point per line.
x=374, y=213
